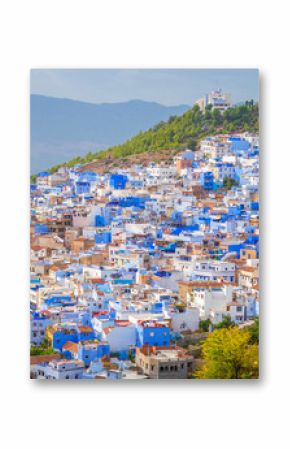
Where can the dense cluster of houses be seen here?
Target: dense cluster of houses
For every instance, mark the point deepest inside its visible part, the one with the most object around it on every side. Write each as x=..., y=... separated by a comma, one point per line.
x=126, y=263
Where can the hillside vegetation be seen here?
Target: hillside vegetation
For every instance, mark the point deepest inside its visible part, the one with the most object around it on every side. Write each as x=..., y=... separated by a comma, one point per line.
x=179, y=132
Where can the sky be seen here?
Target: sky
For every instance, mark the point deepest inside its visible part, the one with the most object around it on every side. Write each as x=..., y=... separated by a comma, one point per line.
x=165, y=86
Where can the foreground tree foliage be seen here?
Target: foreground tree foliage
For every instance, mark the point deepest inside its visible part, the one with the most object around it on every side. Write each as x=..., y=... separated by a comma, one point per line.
x=39, y=350
x=204, y=325
x=44, y=349
x=254, y=331
x=225, y=323
x=179, y=132
x=229, y=354
x=229, y=182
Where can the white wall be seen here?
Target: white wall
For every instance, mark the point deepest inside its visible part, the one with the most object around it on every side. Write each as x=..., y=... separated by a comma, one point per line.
x=121, y=338
x=187, y=320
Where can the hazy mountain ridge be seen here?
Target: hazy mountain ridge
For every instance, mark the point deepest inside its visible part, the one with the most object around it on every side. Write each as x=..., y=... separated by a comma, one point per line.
x=62, y=128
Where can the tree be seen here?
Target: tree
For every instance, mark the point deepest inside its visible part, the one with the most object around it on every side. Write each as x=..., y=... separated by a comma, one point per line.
x=254, y=331
x=192, y=145
x=44, y=348
x=46, y=344
x=228, y=182
x=217, y=117
x=171, y=118
x=229, y=354
x=204, y=325
x=225, y=323
x=131, y=356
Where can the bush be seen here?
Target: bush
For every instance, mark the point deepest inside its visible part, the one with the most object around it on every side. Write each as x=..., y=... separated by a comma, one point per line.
x=204, y=325
x=254, y=331
x=39, y=350
x=44, y=349
x=228, y=182
x=225, y=323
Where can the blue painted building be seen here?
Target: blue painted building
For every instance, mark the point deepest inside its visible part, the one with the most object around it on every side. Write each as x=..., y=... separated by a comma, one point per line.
x=38, y=325
x=156, y=307
x=207, y=180
x=91, y=351
x=61, y=275
x=118, y=182
x=225, y=169
x=159, y=233
x=180, y=229
x=134, y=201
x=176, y=217
x=103, y=237
x=105, y=216
x=61, y=334
x=153, y=334
x=88, y=176
x=43, y=174
x=82, y=187
x=238, y=145
x=100, y=221
x=41, y=229
x=59, y=301
x=255, y=206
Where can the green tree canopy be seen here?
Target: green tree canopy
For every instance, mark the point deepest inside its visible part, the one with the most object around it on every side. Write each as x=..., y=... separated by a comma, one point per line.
x=228, y=182
x=204, y=325
x=254, y=331
x=225, y=323
x=229, y=354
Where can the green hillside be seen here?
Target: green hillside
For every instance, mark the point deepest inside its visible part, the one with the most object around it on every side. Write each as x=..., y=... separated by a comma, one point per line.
x=181, y=131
